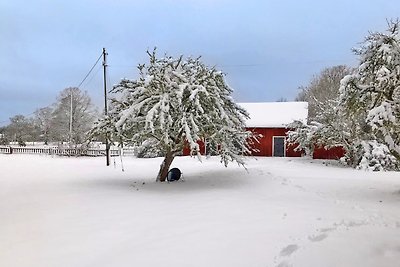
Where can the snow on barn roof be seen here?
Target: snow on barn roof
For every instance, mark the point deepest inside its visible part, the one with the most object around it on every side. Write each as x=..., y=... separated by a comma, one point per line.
x=275, y=114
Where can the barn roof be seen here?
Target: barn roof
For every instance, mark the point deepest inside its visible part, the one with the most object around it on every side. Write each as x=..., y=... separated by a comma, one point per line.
x=275, y=114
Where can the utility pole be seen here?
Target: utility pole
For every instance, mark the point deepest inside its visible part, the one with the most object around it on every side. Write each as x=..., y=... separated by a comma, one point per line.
x=70, y=119
x=105, y=103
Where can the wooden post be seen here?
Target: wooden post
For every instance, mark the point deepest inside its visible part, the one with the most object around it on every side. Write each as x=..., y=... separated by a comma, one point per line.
x=105, y=103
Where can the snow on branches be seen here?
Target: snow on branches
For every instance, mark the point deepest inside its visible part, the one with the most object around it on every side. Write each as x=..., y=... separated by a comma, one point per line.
x=376, y=157
x=374, y=88
x=174, y=103
x=365, y=119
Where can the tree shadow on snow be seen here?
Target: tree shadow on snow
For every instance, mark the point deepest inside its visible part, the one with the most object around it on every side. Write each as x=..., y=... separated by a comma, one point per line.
x=194, y=181
x=202, y=181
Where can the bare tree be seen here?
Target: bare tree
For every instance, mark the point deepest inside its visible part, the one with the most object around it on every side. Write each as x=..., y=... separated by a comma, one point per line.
x=4, y=140
x=323, y=87
x=21, y=130
x=43, y=121
x=73, y=116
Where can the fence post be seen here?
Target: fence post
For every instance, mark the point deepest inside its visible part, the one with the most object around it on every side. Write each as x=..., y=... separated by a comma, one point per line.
x=11, y=150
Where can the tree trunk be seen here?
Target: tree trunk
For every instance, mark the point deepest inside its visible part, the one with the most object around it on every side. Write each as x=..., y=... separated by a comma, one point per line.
x=164, y=167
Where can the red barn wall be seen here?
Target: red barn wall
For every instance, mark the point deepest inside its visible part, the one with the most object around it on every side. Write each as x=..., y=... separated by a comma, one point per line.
x=266, y=142
x=264, y=146
x=291, y=153
x=332, y=153
x=186, y=149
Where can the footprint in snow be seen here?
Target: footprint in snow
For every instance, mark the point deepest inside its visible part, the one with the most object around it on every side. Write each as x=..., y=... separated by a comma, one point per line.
x=300, y=188
x=325, y=230
x=317, y=238
x=260, y=172
x=287, y=251
x=285, y=182
x=284, y=264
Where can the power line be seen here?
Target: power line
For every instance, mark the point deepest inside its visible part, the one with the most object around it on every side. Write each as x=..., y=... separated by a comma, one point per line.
x=97, y=61
x=84, y=79
x=242, y=65
x=260, y=64
x=299, y=62
x=94, y=75
x=123, y=66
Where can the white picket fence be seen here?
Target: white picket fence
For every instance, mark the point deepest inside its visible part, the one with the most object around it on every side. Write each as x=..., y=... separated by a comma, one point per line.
x=93, y=152
x=5, y=150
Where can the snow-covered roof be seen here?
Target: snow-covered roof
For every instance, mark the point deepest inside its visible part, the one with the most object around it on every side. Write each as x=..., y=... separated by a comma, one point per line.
x=275, y=114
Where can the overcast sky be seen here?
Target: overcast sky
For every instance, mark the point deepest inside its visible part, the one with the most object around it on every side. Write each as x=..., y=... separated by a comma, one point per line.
x=266, y=48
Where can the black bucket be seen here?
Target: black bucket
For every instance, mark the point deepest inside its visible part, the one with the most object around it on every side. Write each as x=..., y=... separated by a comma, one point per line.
x=174, y=174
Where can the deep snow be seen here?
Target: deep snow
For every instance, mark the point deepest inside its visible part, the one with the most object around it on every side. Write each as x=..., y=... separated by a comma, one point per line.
x=282, y=212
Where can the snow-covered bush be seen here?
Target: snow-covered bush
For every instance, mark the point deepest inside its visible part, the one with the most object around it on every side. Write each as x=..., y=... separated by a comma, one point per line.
x=177, y=102
x=376, y=157
x=300, y=135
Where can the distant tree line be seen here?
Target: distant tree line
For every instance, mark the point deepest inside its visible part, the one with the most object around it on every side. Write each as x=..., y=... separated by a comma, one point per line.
x=66, y=121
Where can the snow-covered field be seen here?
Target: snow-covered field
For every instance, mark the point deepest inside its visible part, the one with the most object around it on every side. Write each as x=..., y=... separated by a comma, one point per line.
x=282, y=212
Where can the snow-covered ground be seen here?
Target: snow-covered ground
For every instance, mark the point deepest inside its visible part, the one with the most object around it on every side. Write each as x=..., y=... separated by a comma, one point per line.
x=282, y=212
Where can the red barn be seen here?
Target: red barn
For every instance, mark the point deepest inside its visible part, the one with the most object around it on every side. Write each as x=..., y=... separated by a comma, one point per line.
x=270, y=120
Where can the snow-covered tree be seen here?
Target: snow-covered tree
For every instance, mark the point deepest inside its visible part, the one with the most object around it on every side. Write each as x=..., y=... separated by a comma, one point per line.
x=373, y=91
x=365, y=118
x=328, y=129
x=174, y=103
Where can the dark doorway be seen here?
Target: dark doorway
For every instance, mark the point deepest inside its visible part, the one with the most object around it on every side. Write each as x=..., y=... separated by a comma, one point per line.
x=279, y=146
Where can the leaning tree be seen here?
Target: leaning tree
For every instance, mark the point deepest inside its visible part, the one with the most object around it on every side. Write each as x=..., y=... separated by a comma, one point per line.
x=175, y=103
